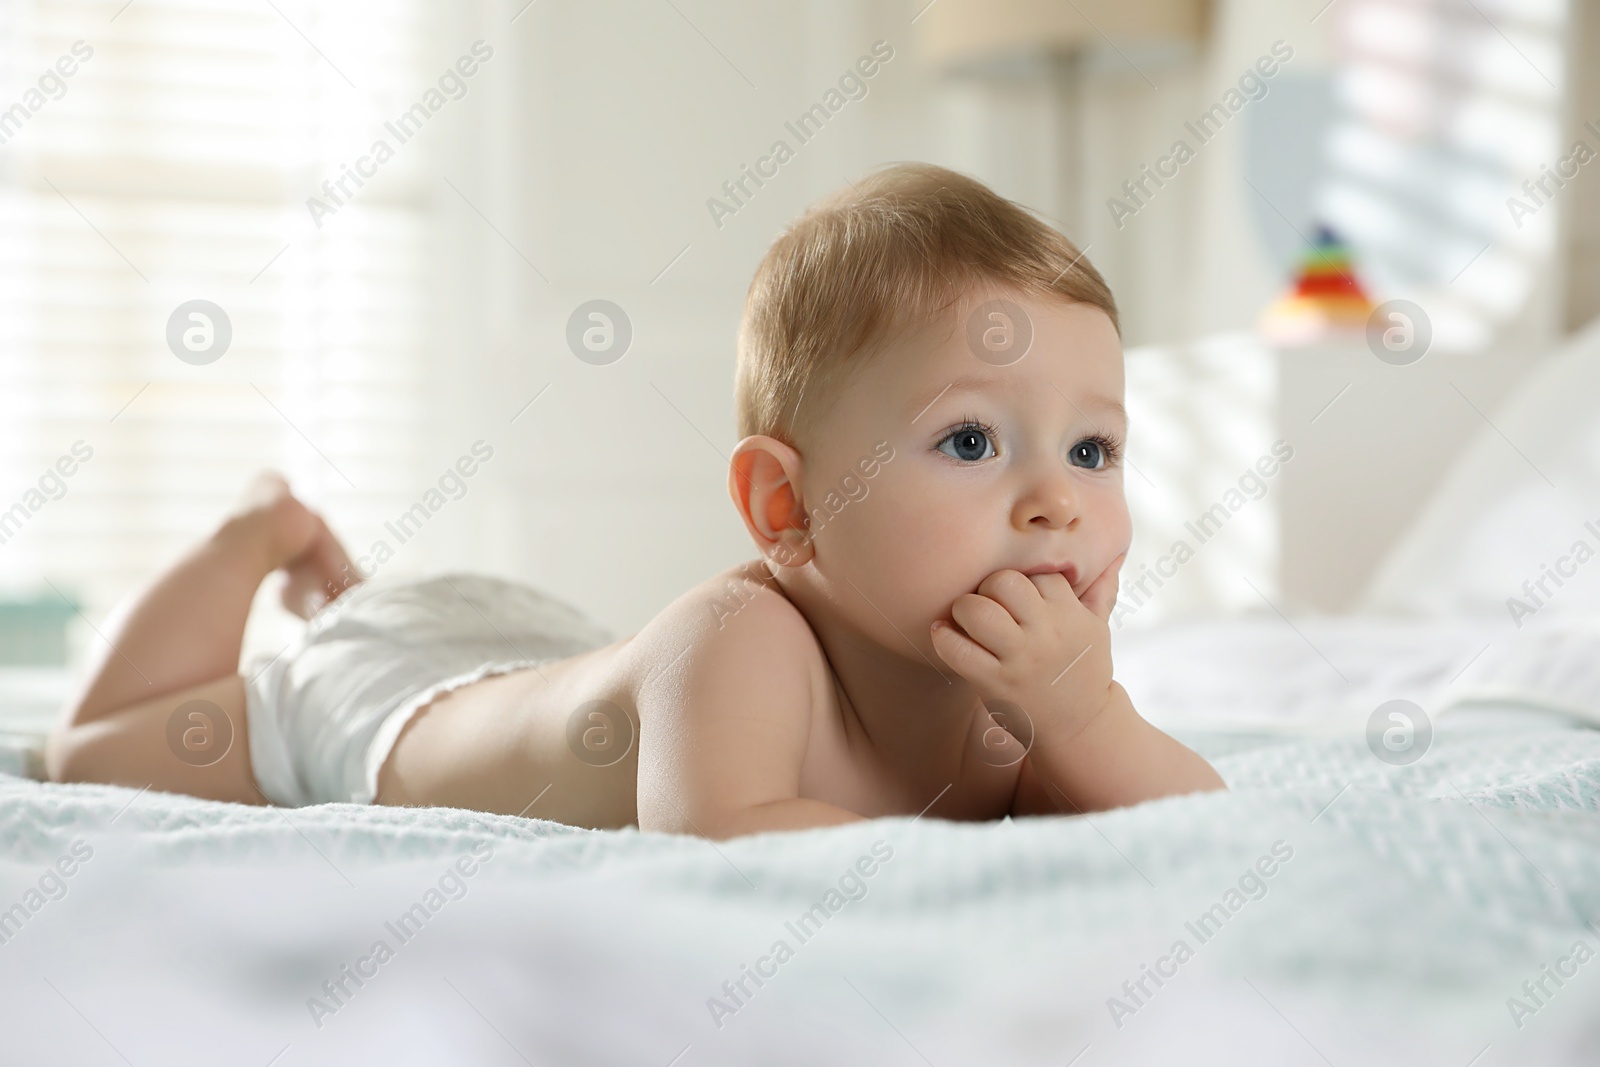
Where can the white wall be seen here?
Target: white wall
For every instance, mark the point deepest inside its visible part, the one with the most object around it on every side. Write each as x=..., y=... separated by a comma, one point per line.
x=621, y=122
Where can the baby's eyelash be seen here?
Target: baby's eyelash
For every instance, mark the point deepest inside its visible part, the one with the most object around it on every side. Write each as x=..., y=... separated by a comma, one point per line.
x=969, y=422
x=972, y=422
x=1108, y=444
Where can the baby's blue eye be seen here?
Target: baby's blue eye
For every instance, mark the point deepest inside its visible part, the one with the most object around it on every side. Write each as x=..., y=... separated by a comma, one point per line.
x=969, y=444
x=1088, y=454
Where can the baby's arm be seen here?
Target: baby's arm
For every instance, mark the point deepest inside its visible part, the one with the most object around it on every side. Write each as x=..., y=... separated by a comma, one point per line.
x=724, y=728
x=1117, y=759
x=1032, y=643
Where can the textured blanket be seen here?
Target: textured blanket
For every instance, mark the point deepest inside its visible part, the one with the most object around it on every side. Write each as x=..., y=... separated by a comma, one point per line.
x=1329, y=909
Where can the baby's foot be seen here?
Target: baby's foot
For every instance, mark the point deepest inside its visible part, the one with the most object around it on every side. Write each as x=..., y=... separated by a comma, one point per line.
x=270, y=521
x=291, y=537
x=318, y=575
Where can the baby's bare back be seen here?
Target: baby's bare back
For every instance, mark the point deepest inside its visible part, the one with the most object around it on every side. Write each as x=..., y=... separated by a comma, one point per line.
x=566, y=741
x=562, y=741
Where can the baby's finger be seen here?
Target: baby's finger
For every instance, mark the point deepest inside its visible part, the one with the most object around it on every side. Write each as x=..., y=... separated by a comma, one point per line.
x=1015, y=592
x=964, y=655
x=1101, y=596
x=1053, y=586
x=987, y=623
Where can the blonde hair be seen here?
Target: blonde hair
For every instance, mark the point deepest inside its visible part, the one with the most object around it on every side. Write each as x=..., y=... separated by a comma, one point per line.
x=898, y=249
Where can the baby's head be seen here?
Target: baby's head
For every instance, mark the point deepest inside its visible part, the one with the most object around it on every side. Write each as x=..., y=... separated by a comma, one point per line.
x=929, y=390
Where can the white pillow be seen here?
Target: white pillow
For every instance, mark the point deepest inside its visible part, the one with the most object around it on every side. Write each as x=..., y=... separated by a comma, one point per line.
x=1492, y=535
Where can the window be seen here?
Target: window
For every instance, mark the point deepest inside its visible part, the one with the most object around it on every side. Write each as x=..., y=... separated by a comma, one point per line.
x=174, y=164
x=1447, y=109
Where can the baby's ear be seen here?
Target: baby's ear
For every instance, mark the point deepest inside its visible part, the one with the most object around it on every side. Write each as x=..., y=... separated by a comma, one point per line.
x=764, y=481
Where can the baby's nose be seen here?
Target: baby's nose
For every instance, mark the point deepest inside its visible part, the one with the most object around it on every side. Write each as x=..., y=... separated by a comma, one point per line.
x=1051, y=502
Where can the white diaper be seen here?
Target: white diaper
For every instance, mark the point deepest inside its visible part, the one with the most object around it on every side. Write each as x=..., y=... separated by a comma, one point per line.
x=324, y=714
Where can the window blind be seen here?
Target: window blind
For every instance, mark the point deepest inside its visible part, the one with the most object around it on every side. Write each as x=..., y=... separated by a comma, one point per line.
x=174, y=164
x=1447, y=108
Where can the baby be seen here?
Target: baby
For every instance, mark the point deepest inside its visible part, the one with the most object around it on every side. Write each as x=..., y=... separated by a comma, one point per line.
x=929, y=395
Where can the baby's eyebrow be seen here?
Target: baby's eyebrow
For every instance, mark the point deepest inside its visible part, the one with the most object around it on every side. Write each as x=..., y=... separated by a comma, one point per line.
x=1096, y=400
x=967, y=383
x=978, y=383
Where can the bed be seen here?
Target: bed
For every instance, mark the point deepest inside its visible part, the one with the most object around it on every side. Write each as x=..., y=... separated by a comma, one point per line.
x=1404, y=907
x=1333, y=907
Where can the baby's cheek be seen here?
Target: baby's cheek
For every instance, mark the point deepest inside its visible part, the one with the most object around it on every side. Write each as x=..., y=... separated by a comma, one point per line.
x=1118, y=524
x=1112, y=539
x=917, y=563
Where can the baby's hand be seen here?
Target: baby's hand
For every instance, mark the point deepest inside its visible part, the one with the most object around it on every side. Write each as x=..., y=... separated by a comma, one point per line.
x=1031, y=642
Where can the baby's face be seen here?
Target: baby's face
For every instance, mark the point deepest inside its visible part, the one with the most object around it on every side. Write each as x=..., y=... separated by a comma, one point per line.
x=994, y=466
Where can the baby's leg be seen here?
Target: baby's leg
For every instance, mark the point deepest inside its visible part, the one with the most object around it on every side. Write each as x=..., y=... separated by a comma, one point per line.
x=207, y=755
x=180, y=640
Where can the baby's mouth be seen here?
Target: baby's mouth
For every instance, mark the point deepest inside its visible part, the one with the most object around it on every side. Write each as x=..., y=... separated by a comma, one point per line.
x=1069, y=571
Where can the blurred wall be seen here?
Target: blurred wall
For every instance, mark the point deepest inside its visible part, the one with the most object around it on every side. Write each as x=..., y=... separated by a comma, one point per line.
x=624, y=121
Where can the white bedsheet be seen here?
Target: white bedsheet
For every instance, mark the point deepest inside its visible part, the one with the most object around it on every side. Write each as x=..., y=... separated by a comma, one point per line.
x=1416, y=902
x=1325, y=676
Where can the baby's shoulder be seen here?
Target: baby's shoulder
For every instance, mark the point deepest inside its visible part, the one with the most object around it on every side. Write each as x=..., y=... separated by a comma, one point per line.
x=740, y=608
x=738, y=622
x=732, y=707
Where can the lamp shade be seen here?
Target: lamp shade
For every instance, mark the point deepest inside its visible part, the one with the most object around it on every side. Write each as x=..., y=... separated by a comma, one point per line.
x=964, y=32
